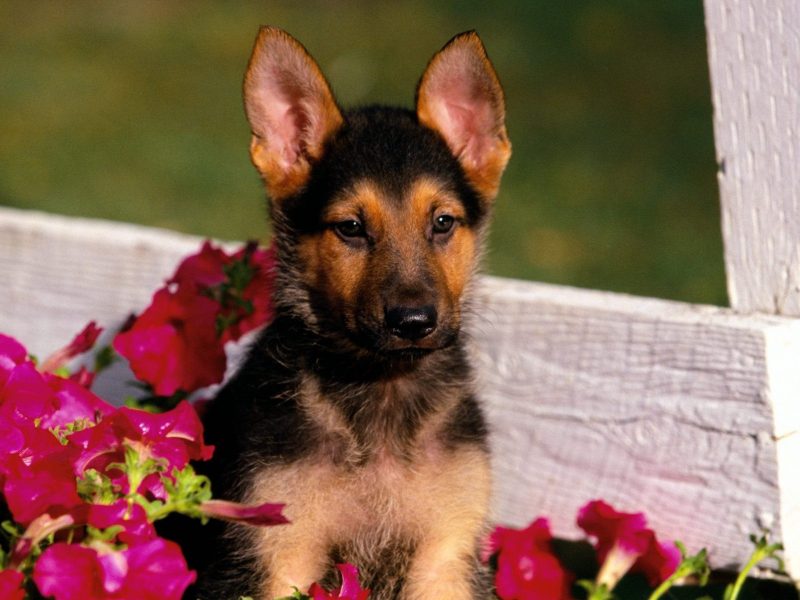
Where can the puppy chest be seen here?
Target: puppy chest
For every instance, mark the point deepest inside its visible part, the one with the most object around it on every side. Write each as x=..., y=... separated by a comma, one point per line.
x=385, y=496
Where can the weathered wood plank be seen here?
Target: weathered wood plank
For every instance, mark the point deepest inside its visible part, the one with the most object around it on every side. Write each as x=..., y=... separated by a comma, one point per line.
x=61, y=272
x=754, y=55
x=689, y=413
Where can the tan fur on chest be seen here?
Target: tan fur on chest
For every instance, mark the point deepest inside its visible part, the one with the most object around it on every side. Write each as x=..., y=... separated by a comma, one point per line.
x=430, y=499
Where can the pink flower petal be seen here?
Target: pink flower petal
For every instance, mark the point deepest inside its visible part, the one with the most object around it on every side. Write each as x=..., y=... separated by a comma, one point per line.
x=81, y=343
x=526, y=565
x=69, y=572
x=132, y=518
x=262, y=514
x=46, y=485
x=11, y=585
x=623, y=541
x=12, y=353
x=157, y=571
x=73, y=402
x=26, y=394
x=350, y=589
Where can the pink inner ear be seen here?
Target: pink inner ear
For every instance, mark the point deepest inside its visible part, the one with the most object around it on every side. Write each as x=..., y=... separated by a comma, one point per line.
x=463, y=112
x=285, y=118
x=285, y=134
x=286, y=106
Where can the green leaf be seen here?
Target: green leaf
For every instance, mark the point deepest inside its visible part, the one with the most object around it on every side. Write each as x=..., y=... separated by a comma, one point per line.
x=186, y=491
x=97, y=488
x=156, y=404
x=104, y=358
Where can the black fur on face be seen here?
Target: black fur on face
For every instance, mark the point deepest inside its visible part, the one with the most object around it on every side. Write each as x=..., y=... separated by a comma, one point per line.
x=389, y=149
x=381, y=144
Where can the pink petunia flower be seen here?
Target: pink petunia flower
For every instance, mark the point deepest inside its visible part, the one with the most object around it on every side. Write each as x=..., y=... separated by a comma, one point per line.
x=257, y=293
x=154, y=569
x=174, y=437
x=73, y=402
x=624, y=543
x=132, y=518
x=527, y=569
x=173, y=344
x=28, y=395
x=261, y=514
x=350, y=590
x=12, y=353
x=11, y=585
x=177, y=343
x=36, y=470
x=211, y=269
x=42, y=482
x=81, y=343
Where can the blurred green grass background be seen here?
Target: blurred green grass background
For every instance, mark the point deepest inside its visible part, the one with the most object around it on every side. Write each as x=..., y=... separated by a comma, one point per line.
x=132, y=111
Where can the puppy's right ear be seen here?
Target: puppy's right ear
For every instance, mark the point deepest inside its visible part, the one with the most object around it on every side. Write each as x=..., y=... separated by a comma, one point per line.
x=291, y=111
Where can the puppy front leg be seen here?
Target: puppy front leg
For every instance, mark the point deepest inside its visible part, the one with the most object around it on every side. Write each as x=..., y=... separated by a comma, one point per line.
x=445, y=563
x=296, y=555
x=294, y=558
x=445, y=569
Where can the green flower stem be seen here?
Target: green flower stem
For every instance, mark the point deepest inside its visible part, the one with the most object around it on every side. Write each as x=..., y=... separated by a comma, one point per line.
x=689, y=565
x=763, y=551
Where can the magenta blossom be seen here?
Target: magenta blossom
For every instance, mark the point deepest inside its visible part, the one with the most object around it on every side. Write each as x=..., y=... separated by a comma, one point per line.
x=177, y=343
x=173, y=438
x=73, y=402
x=132, y=517
x=45, y=484
x=28, y=395
x=261, y=514
x=12, y=353
x=350, y=590
x=173, y=344
x=527, y=569
x=209, y=272
x=81, y=343
x=148, y=570
x=624, y=543
x=11, y=585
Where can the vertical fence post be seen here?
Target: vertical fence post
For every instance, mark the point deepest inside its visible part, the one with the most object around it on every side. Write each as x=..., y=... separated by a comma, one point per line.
x=754, y=55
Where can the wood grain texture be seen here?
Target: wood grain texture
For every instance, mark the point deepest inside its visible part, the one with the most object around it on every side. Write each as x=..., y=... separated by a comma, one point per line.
x=680, y=410
x=60, y=272
x=689, y=413
x=754, y=55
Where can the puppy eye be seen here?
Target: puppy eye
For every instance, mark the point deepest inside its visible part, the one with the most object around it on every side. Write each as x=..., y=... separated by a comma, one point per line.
x=349, y=229
x=443, y=224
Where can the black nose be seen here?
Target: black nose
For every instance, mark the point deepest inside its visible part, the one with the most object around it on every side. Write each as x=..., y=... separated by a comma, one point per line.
x=411, y=323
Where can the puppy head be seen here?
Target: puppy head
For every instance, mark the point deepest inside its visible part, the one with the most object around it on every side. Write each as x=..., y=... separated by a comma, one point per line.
x=378, y=212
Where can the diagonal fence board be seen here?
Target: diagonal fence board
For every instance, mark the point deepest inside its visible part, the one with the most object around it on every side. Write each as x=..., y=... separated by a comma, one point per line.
x=689, y=413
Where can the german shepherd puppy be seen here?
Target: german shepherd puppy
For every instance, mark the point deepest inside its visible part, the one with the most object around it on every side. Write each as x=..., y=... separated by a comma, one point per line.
x=356, y=406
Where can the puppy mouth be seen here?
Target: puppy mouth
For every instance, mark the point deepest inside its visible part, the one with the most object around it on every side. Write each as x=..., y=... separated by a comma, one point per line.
x=382, y=341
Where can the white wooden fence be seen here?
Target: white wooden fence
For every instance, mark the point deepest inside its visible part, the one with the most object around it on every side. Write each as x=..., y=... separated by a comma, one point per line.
x=689, y=413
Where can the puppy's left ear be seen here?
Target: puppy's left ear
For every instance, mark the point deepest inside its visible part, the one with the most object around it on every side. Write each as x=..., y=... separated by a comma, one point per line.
x=460, y=97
